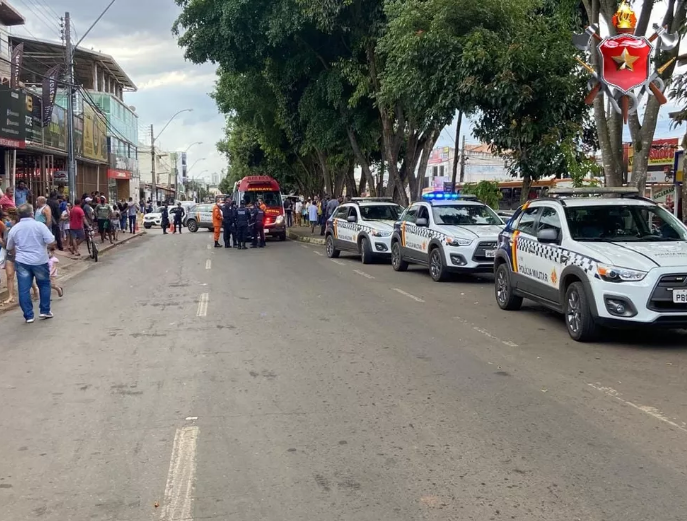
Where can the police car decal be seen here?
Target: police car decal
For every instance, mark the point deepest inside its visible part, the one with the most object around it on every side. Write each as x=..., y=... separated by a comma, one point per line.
x=554, y=254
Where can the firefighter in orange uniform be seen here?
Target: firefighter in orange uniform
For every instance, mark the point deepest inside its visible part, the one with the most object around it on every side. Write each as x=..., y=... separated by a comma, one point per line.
x=217, y=223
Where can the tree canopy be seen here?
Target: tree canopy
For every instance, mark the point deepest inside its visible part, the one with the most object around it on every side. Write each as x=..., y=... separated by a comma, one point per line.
x=313, y=89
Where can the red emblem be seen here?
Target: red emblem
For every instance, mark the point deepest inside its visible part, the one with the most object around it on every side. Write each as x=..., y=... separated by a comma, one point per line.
x=626, y=60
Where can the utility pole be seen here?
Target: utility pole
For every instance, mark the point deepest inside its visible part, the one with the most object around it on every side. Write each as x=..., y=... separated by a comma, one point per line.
x=69, y=62
x=152, y=164
x=455, y=154
x=463, y=158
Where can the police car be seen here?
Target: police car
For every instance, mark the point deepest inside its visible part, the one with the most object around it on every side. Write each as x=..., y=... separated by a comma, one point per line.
x=600, y=261
x=449, y=233
x=363, y=226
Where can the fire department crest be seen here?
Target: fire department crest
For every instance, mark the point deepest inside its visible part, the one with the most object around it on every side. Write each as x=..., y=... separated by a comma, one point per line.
x=625, y=62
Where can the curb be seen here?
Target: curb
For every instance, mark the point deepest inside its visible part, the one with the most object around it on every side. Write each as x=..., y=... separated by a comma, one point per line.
x=311, y=240
x=76, y=269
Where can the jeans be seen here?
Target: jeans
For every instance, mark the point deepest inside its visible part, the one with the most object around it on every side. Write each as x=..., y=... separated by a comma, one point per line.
x=132, y=223
x=122, y=222
x=289, y=218
x=25, y=275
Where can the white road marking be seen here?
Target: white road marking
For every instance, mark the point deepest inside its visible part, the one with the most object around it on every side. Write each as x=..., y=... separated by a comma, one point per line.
x=417, y=299
x=208, y=264
x=203, y=305
x=318, y=253
x=363, y=274
x=651, y=411
x=304, y=246
x=181, y=477
x=338, y=262
x=209, y=247
x=487, y=333
x=191, y=418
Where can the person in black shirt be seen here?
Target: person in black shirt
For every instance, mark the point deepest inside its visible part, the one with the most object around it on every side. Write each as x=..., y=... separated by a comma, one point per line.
x=242, y=218
x=228, y=222
x=258, y=218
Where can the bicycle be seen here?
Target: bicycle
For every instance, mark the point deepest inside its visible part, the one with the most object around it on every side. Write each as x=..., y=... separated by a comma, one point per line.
x=90, y=243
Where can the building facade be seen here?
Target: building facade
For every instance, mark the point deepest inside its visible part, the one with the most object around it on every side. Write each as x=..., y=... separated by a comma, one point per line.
x=105, y=137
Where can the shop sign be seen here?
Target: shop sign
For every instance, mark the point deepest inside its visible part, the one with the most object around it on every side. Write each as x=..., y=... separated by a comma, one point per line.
x=34, y=118
x=78, y=136
x=56, y=132
x=94, y=135
x=12, y=117
x=118, y=174
x=60, y=177
x=439, y=155
x=662, y=154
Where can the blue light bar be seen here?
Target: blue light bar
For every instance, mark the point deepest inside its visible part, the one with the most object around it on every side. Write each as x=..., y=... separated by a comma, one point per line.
x=441, y=195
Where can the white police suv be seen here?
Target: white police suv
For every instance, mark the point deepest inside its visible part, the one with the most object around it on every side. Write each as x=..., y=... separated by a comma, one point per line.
x=448, y=233
x=600, y=261
x=363, y=226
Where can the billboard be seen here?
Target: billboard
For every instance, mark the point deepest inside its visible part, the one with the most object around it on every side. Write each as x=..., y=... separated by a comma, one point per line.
x=661, y=160
x=94, y=135
x=439, y=155
x=13, y=120
x=55, y=135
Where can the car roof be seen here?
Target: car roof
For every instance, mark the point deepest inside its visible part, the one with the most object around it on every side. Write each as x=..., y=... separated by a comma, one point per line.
x=453, y=202
x=575, y=202
x=370, y=203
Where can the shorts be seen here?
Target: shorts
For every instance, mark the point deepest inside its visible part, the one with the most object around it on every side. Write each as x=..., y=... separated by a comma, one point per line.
x=79, y=235
x=103, y=225
x=114, y=224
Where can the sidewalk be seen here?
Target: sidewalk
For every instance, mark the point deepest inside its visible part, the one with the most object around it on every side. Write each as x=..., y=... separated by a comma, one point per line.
x=303, y=234
x=69, y=264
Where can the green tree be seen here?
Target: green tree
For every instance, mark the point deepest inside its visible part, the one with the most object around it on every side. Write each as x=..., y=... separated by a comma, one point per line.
x=527, y=90
x=486, y=191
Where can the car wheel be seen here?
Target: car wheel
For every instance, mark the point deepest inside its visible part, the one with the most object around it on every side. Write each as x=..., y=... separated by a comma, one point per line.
x=578, y=316
x=147, y=226
x=366, y=251
x=332, y=252
x=437, y=270
x=504, y=291
x=397, y=261
x=192, y=226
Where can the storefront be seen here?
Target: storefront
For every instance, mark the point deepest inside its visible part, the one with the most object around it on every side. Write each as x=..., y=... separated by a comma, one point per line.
x=118, y=184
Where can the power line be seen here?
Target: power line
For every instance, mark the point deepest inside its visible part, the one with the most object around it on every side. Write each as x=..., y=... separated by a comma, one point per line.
x=47, y=6
x=42, y=18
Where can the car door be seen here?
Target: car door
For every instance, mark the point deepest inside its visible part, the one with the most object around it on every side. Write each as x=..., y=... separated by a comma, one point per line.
x=407, y=221
x=524, y=244
x=341, y=228
x=414, y=235
x=548, y=257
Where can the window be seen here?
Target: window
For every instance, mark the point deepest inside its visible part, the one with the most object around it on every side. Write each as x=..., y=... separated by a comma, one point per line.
x=341, y=213
x=386, y=212
x=527, y=220
x=410, y=215
x=465, y=215
x=549, y=220
x=441, y=171
x=423, y=213
x=624, y=223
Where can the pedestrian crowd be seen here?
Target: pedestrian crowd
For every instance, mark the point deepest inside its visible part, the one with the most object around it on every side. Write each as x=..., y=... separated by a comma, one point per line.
x=312, y=212
x=29, y=237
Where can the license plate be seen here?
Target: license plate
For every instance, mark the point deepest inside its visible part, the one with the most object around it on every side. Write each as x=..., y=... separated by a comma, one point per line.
x=680, y=296
x=490, y=254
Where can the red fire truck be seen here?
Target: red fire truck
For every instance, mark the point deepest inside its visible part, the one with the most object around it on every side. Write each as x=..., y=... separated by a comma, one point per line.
x=254, y=187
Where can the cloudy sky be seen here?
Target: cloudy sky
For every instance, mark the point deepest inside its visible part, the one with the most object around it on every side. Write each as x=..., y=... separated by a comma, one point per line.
x=137, y=33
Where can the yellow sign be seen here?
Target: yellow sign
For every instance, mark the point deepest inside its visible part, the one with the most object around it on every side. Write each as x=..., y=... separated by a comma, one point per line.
x=94, y=135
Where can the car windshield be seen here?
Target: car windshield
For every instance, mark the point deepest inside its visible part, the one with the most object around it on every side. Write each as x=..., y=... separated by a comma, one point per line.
x=382, y=212
x=465, y=215
x=270, y=198
x=624, y=223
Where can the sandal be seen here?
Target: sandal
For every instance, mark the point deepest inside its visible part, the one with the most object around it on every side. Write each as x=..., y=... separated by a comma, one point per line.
x=60, y=291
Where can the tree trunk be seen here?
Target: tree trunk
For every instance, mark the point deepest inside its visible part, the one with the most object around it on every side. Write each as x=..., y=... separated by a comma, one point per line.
x=424, y=160
x=526, y=184
x=326, y=174
x=362, y=160
x=362, y=186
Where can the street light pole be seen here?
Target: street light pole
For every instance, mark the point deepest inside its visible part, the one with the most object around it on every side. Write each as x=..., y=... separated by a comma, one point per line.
x=152, y=149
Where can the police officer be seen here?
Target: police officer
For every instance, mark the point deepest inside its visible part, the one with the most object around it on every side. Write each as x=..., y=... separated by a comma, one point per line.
x=228, y=222
x=258, y=218
x=242, y=217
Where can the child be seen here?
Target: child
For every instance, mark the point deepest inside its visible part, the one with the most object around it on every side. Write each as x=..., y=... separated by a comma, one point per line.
x=52, y=264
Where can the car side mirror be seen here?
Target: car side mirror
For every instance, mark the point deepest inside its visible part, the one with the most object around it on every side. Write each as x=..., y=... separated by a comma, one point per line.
x=548, y=236
x=422, y=222
x=352, y=219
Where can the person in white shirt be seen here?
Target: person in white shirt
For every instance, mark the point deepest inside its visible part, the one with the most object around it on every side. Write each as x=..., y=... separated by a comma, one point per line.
x=28, y=240
x=299, y=210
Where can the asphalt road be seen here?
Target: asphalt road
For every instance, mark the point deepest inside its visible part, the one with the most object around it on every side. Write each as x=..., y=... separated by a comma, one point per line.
x=179, y=382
